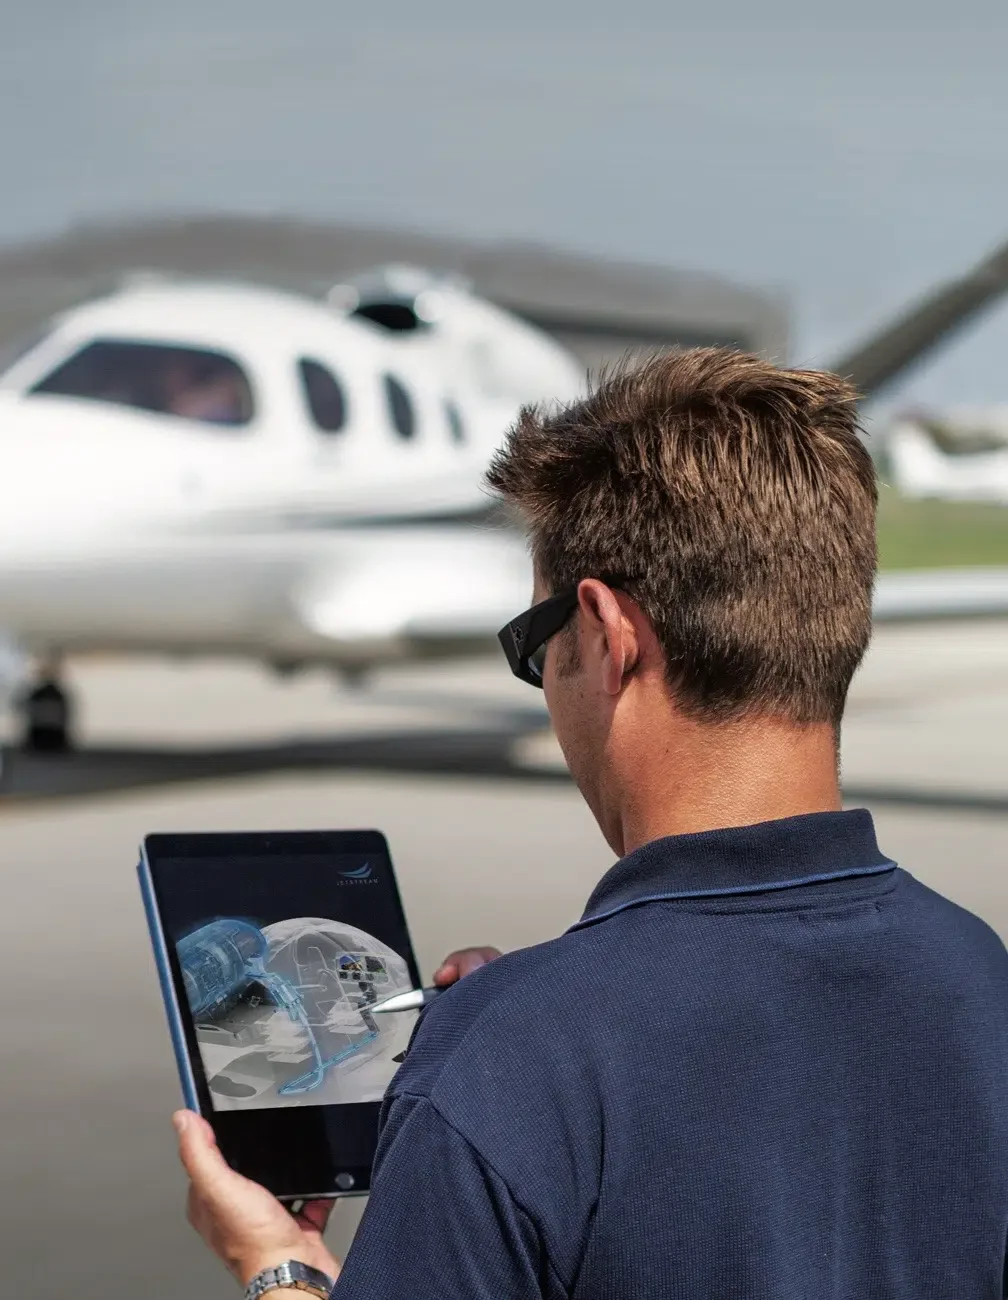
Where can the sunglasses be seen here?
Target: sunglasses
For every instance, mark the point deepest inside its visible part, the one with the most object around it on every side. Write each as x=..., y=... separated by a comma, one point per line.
x=524, y=639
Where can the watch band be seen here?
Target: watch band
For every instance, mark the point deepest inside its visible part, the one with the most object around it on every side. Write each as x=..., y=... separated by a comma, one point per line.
x=292, y=1275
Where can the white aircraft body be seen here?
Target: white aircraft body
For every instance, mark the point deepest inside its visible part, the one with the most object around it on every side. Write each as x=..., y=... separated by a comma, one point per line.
x=966, y=467
x=207, y=469
x=496, y=360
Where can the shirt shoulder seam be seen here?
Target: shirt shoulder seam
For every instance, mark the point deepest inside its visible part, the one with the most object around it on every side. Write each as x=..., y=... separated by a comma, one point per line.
x=532, y=1218
x=479, y=1014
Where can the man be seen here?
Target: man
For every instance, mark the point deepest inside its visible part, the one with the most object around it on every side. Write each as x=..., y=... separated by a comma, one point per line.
x=766, y=1062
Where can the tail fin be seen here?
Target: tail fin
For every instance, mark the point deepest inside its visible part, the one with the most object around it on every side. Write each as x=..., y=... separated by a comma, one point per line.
x=919, y=468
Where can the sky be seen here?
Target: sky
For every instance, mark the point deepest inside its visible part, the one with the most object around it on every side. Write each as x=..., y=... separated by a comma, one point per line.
x=847, y=156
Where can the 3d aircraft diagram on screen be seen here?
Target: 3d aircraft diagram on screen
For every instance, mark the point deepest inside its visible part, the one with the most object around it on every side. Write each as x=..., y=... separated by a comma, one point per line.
x=282, y=1011
x=200, y=469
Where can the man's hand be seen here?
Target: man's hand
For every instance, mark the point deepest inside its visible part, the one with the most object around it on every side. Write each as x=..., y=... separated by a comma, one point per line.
x=241, y=1222
x=462, y=962
x=244, y=1224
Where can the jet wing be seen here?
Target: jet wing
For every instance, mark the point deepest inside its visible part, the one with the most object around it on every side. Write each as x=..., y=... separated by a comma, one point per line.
x=932, y=594
x=444, y=591
x=877, y=360
x=427, y=592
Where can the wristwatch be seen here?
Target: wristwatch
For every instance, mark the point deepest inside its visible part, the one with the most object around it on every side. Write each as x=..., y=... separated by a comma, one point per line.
x=292, y=1275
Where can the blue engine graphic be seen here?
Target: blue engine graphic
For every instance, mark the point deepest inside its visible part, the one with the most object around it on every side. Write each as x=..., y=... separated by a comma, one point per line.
x=223, y=962
x=218, y=963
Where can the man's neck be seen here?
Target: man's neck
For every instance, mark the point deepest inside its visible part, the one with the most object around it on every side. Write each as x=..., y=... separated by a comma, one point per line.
x=711, y=777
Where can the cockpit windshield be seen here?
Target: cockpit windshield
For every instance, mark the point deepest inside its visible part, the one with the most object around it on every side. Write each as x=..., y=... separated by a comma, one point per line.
x=191, y=383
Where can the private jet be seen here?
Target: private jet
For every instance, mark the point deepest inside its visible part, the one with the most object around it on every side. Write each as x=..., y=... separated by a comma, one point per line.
x=952, y=459
x=205, y=469
x=217, y=469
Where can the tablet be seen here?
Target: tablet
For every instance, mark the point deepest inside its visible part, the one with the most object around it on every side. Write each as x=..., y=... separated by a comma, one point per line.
x=270, y=949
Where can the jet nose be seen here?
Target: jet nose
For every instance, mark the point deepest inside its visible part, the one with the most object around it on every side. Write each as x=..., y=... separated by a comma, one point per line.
x=66, y=473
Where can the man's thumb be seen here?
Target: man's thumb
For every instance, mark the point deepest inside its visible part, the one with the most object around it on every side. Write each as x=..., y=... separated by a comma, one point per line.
x=198, y=1151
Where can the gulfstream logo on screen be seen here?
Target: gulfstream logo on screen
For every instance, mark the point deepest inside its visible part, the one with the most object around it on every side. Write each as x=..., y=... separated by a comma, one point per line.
x=357, y=876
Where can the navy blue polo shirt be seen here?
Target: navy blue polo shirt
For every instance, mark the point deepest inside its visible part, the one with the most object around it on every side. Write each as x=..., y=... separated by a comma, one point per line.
x=766, y=1064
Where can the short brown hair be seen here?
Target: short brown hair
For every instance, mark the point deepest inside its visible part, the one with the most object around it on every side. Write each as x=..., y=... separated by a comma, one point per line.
x=734, y=501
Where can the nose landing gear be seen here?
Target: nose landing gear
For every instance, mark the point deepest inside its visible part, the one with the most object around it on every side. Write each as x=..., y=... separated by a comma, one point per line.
x=45, y=712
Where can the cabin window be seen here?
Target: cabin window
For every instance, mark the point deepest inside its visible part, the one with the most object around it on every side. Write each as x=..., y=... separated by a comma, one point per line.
x=190, y=383
x=323, y=396
x=455, y=425
x=400, y=408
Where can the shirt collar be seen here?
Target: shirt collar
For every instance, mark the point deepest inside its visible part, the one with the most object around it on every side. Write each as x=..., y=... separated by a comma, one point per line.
x=805, y=850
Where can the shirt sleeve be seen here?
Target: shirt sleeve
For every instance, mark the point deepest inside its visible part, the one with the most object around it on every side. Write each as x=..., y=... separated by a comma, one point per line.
x=440, y=1224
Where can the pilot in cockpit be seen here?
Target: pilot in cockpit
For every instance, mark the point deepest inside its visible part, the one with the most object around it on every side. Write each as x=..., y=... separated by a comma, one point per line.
x=205, y=389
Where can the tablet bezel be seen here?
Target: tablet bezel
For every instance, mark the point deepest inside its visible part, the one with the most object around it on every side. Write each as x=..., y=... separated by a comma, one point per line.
x=297, y=1152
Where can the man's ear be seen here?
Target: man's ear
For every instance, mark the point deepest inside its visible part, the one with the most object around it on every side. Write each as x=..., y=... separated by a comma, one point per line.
x=610, y=642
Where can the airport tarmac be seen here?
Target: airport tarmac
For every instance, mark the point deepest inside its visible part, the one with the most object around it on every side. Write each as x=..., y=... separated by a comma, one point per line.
x=491, y=843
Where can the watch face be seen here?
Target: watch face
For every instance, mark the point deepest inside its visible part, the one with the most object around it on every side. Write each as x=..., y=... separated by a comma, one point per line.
x=309, y=1279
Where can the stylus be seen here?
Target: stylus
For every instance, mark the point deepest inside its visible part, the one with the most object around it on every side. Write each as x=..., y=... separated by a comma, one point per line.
x=405, y=1001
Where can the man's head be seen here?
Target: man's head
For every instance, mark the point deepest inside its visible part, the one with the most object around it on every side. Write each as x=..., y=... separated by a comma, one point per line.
x=716, y=516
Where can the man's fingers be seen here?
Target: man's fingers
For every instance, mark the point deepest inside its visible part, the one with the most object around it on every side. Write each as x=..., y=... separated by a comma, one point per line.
x=198, y=1151
x=463, y=962
x=182, y=1119
x=314, y=1215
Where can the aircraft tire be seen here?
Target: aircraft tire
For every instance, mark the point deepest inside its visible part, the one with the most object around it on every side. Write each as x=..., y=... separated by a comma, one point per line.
x=45, y=719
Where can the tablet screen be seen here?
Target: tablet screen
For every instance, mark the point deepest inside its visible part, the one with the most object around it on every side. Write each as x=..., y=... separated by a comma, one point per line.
x=279, y=946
